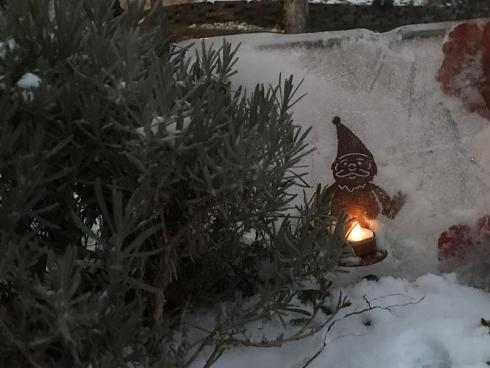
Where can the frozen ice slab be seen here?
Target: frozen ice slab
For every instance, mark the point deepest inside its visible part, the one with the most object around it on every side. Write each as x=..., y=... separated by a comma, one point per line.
x=383, y=87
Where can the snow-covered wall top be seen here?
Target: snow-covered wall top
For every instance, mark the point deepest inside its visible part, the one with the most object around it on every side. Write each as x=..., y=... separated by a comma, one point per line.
x=384, y=88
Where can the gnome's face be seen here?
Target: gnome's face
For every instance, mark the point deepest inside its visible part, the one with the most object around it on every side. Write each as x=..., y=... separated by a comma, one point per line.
x=354, y=169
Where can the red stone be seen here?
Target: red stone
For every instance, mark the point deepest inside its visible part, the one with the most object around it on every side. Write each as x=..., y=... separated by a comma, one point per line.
x=465, y=70
x=455, y=243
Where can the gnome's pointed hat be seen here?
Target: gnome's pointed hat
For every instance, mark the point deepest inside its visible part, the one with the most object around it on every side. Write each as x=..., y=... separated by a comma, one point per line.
x=348, y=142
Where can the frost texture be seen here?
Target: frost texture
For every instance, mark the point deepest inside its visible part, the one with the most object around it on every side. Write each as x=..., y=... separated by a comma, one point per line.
x=385, y=89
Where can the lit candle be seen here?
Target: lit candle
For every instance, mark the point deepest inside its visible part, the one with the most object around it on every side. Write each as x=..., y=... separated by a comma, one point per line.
x=362, y=240
x=359, y=233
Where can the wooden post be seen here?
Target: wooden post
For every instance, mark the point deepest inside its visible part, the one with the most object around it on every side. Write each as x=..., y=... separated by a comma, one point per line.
x=295, y=15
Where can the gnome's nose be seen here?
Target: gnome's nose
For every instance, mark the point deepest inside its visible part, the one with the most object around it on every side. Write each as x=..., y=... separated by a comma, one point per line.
x=352, y=167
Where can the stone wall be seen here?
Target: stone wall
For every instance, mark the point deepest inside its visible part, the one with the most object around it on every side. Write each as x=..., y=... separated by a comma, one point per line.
x=322, y=17
x=259, y=13
x=338, y=17
x=147, y=3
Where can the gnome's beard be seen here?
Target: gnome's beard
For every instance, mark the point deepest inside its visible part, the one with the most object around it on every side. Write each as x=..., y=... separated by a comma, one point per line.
x=358, y=182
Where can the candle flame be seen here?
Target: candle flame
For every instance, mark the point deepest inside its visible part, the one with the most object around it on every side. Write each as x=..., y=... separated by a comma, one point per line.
x=356, y=233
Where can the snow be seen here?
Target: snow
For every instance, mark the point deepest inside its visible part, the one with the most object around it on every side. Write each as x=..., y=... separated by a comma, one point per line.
x=425, y=144
x=241, y=26
x=442, y=330
x=156, y=122
x=351, y=260
x=171, y=128
x=368, y=2
x=29, y=81
x=432, y=322
x=350, y=2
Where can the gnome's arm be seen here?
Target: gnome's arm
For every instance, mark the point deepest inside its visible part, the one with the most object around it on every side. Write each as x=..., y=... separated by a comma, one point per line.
x=389, y=207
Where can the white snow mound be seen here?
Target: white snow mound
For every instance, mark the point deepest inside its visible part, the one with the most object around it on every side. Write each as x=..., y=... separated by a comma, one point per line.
x=430, y=323
x=29, y=81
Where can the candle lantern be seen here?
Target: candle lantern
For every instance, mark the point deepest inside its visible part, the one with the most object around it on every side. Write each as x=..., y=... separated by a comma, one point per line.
x=362, y=240
x=355, y=194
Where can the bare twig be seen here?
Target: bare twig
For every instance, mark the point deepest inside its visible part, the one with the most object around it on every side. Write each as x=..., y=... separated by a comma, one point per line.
x=215, y=355
x=355, y=313
x=232, y=339
x=203, y=343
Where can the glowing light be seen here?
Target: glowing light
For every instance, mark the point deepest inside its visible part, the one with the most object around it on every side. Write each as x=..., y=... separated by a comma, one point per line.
x=358, y=233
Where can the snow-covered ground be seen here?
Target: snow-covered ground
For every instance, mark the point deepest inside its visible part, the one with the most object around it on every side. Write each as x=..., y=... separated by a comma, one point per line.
x=350, y=2
x=430, y=323
x=425, y=144
x=235, y=26
x=368, y=2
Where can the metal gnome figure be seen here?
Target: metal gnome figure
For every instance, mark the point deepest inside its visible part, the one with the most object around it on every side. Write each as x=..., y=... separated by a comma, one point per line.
x=353, y=191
